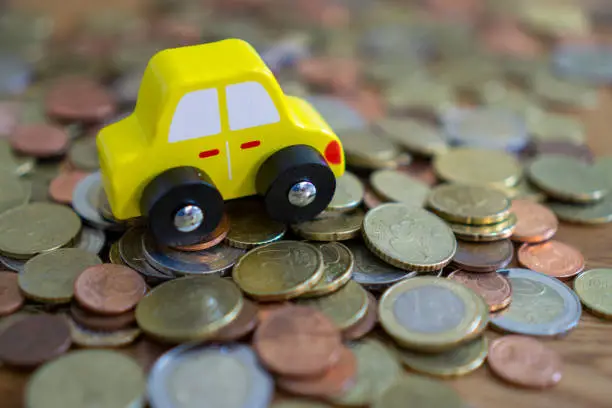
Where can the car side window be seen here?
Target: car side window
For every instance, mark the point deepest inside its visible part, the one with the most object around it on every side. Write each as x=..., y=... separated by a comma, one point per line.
x=196, y=115
x=250, y=105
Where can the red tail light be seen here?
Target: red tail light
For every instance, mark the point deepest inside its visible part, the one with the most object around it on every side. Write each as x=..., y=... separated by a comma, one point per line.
x=333, y=152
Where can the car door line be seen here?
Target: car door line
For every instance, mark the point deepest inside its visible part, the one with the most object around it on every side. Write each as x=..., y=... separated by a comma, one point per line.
x=229, y=160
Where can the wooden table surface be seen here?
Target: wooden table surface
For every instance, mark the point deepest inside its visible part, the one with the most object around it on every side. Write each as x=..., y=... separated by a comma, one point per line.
x=586, y=351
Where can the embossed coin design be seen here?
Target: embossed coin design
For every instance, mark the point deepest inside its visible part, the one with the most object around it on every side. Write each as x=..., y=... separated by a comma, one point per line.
x=280, y=270
x=535, y=223
x=338, y=263
x=38, y=227
x=541, y=305
x=109, y=289
x=552, y=258
x=11, y=298
x=458, y=361
x=476, y=166
x=429, y=393
x=34, y=340
x=524, y=361
x=108, y=377
x=193, y=375
x=377, y=367
x=408, y=237
x=338, y=228
x=348, y=195
x=250, y=225
x=493, y=287
x=567, y=179
x=50, y=277
x=483, y=256
x=592, y=287
x=344, y=307
x=432, y=314
x=399, y=187
x=298, y=341
x=469, y=204
x=371, y=272
x=189, y=309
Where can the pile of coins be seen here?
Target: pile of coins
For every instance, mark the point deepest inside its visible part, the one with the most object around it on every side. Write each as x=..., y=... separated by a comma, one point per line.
x=461, y=153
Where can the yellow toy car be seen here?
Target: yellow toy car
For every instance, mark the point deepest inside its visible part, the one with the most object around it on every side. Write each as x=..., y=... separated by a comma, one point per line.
x=211, y=124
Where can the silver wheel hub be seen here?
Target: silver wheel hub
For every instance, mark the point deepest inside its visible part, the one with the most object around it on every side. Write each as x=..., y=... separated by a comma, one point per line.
x=301, y=194
x=188, y=218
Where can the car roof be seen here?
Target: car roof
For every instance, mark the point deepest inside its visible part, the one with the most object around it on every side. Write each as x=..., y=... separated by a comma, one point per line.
x=207, y=62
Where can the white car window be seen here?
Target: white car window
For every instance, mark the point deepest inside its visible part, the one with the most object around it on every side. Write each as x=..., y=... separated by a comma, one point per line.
x=196, y=115
x=249, y=105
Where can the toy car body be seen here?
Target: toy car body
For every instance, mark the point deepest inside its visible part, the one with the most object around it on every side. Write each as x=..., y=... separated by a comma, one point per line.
x=213, y=116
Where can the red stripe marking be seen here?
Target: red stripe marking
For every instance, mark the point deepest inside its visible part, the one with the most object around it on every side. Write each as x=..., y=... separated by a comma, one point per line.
x=248, y=145
x=208, y=153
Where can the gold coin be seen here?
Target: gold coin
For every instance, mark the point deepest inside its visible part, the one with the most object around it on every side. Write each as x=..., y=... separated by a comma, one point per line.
x=114, y=256
x=559, y=91
x=593, y=289
x=485, y=233
x=364, y=145
x=408, y=237
x=340, y=227
x=597, y=213
x=432, y=314
x=414, y=135
x=370, y=163
x=299, y=404
x=83, y=337
x=377, y=367
x=49, y=277
x=279, y=271
x=523, y=190
x=478, y=166
x=348, y=195
x=461, y=360
x=469, y=204
x=428, y=392
x=74, y=380
x=338, y=263
x=554, y=126
x=14, y=191
x=193, y=308
x=399, y=187
x=250, y=225
x=567, y=179
x=38, y=227
x=344, y=307
x=424, y=95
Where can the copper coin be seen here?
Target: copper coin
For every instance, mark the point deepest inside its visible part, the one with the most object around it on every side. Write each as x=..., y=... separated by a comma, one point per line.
x=34, y=340
x=552, y=258
x=11, y=298
x=421, y=170
x=265, y=309
x=581, y=152
x=534, y=222
x=297, y=341
x=40, y=140
x=368, y=103
x=214, y=238
x=365, y=324
x=100, y=322
x=505, y=36
x=10, y=113
x=75, y=98
x=483, y=256
x=524, y=361
x=371, y=199
x=109, y=289
x=335, y=74
x=333, y=383
x=62, y=186
x=493, y=287
x=244, y=324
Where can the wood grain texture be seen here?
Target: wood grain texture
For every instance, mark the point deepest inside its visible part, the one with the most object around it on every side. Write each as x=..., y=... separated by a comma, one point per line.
x=586, y=352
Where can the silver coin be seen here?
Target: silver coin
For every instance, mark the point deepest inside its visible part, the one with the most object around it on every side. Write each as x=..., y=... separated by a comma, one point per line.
x=15, y=74
x=337, y=113
x=17, y=265
x=191, y=376
x=85, y=202
x=541, y=305
x=91, y=240
x=429, y=309
x=130, y=250
x=126, y=87
x=371, y=272
x=486, y=128
x=216, y=260
x=587, y=62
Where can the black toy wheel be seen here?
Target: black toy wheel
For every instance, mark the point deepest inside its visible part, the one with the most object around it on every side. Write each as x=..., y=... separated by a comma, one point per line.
x=297, y=184
x=182, y=205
